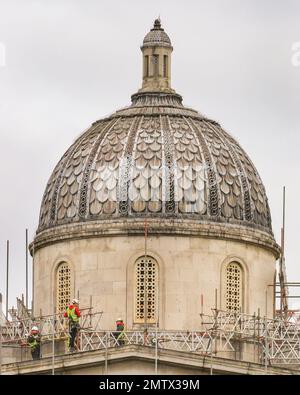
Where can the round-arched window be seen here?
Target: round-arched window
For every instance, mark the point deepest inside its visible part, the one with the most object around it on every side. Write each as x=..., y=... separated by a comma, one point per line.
x=234, y=287
x=63, y=286
x=146, y=290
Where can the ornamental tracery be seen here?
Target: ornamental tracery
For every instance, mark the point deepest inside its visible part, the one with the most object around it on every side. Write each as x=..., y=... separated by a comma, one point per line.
x=234, y=287
x=146, y=290
x=63, y=286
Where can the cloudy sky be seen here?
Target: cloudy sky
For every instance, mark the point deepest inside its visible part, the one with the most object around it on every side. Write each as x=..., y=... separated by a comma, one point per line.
x=67, y=63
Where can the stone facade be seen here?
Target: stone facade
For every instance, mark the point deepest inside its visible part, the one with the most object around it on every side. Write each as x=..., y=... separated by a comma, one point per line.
x=189, y=265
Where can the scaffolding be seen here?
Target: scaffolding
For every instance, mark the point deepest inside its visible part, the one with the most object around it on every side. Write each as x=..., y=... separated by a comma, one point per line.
x=232, y=335
x=251, y=338
x=281, y=290
x=17, y=330
x=267, y=341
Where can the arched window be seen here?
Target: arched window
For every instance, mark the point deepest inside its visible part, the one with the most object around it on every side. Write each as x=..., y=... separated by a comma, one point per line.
x=234, y=287
x=63, y=286
x=146, y=290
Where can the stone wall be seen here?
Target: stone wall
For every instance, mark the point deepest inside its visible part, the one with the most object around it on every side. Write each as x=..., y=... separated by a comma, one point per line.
x=188, y=267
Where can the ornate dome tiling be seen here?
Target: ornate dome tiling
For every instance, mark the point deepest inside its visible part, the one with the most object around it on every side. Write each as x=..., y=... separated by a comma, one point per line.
x=173, y=162
x=157, y=36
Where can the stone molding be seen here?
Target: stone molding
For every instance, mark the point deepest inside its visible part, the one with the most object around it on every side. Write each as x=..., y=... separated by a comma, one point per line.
x=156, y=226
x=179, y=359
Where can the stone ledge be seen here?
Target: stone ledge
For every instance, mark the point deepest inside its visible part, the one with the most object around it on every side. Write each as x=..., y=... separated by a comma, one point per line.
x=156, y=226
x=64, y=364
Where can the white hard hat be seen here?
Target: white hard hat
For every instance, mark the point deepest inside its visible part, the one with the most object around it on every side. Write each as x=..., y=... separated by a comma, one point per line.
x=119, y=319
x=34, y=328
x=75, y=301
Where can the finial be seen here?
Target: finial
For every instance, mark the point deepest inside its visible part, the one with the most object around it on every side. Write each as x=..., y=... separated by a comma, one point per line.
x=157, y=23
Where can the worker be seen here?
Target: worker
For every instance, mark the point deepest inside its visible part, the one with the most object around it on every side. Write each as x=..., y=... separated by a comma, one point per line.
x=120, y=335
x=73, y=314
x=34, y=341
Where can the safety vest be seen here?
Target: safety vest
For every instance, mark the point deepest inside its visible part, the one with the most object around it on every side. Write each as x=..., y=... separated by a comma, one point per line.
x=72, y=315
x=32, y=341
x=121, y=336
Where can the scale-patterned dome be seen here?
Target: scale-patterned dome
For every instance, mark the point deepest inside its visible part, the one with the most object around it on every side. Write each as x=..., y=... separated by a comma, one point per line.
x=157, y=36
x=155, y=158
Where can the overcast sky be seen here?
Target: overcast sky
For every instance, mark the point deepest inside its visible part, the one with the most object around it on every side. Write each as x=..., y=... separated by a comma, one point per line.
x=65, y=64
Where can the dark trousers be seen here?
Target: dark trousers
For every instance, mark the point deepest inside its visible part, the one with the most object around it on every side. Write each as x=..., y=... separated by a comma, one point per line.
x=119, y=336
x=73, y=333
x=35, y=352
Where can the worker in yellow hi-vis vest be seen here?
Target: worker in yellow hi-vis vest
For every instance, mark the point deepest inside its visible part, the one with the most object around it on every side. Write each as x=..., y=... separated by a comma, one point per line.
x=120, y=334
x=73, y=314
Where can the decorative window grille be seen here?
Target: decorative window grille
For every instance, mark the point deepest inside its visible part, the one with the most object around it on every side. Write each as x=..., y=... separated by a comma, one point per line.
x=63, y=286
x=234, y=287
x=146, y=290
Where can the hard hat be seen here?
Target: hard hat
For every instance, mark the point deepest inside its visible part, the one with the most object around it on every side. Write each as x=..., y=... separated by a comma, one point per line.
x=35, y=328
x=119, y=319
x=75, y=301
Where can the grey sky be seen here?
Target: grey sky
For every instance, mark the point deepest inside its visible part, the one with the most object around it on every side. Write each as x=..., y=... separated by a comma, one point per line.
x=68, y=63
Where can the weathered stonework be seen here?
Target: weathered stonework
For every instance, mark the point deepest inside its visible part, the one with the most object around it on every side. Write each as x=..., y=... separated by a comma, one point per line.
x=191, y=259
x=141, y=360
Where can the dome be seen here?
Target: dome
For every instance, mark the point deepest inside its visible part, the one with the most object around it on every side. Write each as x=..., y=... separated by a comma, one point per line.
x=157, y=36
x=156, y=158
x=151, y=207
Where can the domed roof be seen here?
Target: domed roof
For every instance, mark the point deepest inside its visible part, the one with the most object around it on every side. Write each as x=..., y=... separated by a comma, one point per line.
x=155, y=158
x=157, y=36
